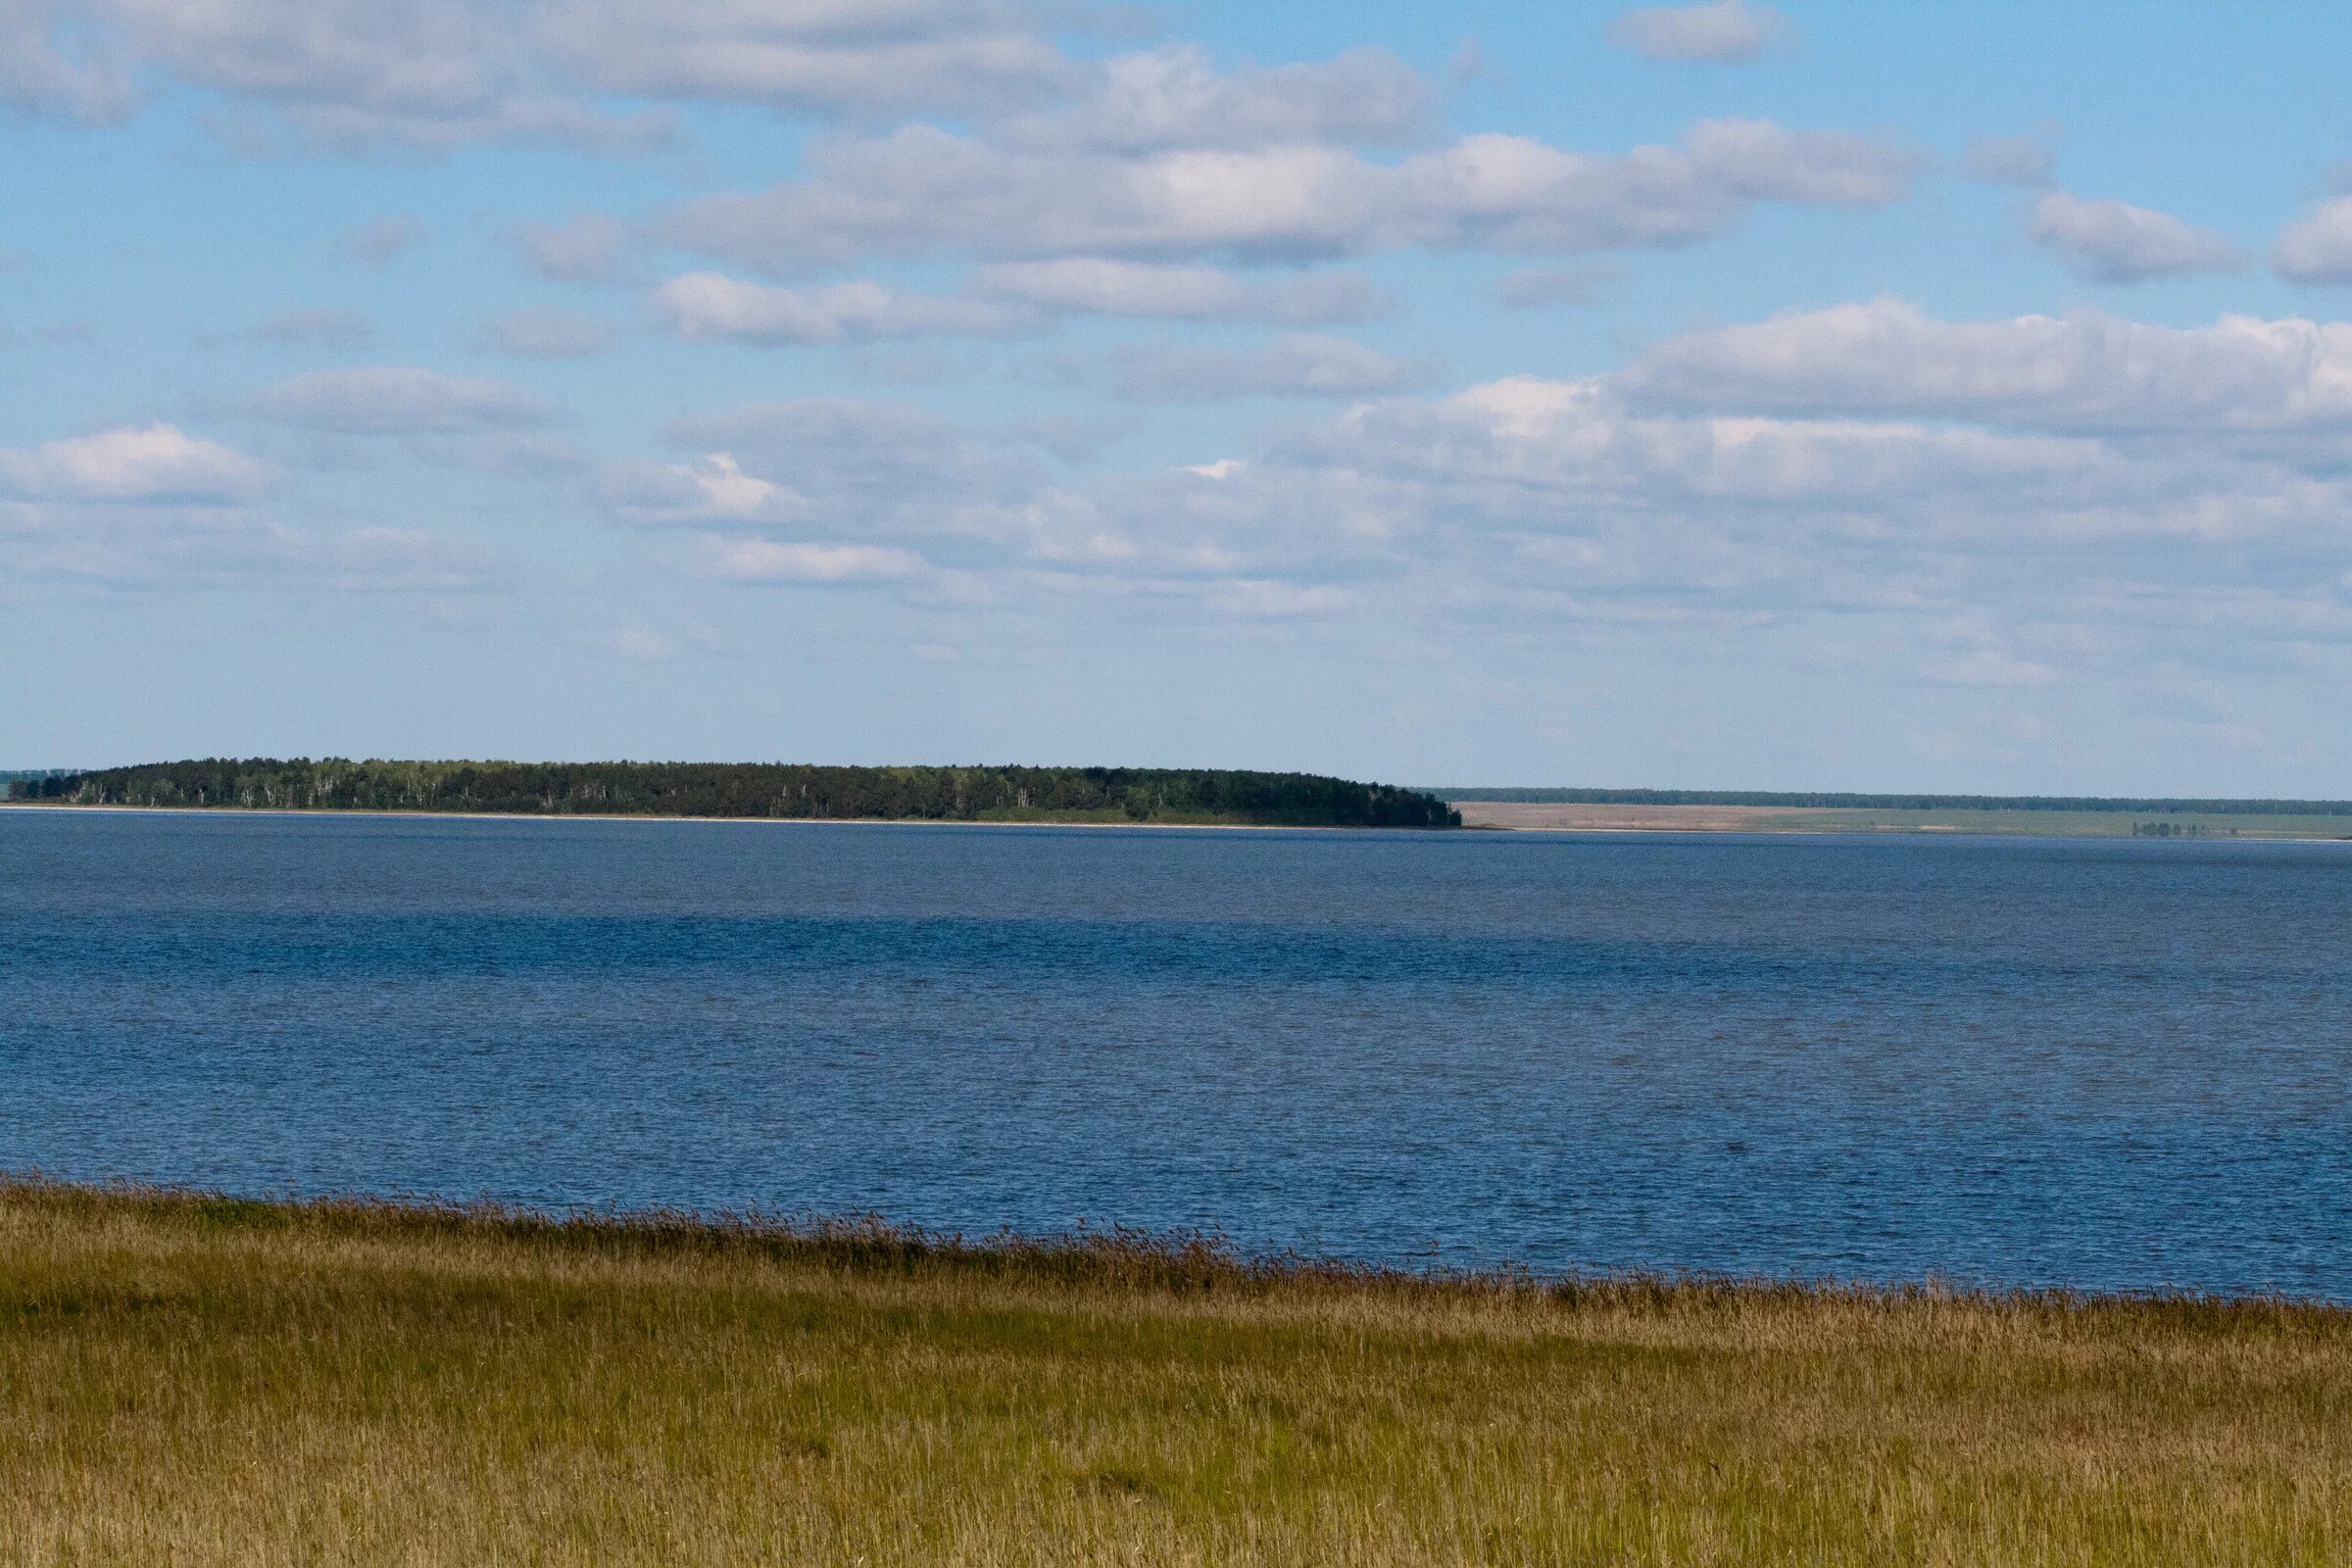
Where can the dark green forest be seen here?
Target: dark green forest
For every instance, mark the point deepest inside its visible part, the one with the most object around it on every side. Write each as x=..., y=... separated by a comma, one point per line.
x=1903, y=802
x=753, y=789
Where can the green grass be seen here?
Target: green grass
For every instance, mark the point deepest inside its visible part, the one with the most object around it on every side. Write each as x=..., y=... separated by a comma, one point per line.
x=193, y=1380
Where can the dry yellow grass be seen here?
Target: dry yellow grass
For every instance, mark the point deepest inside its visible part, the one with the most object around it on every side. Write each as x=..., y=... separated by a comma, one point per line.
x=194, y=1380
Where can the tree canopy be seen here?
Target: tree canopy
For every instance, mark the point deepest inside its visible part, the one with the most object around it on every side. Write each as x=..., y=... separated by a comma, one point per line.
x=754, y=790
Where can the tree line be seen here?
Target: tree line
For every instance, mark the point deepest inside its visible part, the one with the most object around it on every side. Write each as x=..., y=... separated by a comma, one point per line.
x=753, y=789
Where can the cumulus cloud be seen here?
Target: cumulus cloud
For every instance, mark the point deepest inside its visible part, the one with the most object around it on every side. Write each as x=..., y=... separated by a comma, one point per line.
x=2009, y=160
x=859, y=460
x=399, y=401
x=142, y=464
x=1103, y=286
x=2113, y=242
x=1721, y=31
x=1175, y=97
x=2087, y=371
x=1294, y=366
x=711, y=307
x=923, y=190
x=425, y=74
x=544, y=333
x=711, y=492
x=2317, y=248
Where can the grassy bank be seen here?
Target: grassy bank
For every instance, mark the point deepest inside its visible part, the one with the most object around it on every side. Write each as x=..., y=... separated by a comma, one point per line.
x=199, y=1381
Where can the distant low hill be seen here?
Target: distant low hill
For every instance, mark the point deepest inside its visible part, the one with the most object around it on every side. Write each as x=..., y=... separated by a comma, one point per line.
x=2152, y=805
x=753, y=790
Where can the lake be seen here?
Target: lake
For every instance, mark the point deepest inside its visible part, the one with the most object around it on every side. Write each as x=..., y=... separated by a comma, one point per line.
x=2097, y=1064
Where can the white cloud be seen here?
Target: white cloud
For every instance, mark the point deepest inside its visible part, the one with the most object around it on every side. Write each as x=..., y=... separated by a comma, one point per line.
x=2114, y=242
x=356, y=74
x=767, y=561
x=1721, y=31
x=1103, y=286
x=2009, y=160
x=399, y=401
x=923, y=191
x=157, y=462
x=1175, y=98
x=2088, y=371
x=544, y=333
x=711, y=307
x=1293, y=367
x=711, y=492
x=857, y=56
x=2317, y=248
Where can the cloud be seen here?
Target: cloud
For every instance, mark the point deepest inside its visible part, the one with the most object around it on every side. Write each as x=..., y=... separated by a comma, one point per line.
x=157, y=462
x=711, y=492
x=710, y=307
x=860, y=462
x=342, y=329
x=396, y=401
x=1720, y=32
x=585, y=250
x=1175, y=98
x=1294, y=366
x=2009, y=160
x=359, y=73
x=2317, y=248
x=376, y=243
x=924, y=191
x=168, y=551
x=2087, y=371
x=1103, y=286
x=765, y=561
x=822, y=56
x=40, y=74
x=1542, y=286
x=2112, y=242
x=544, y=333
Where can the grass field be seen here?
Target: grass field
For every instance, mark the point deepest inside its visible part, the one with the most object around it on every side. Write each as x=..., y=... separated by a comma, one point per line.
x=186, y=1379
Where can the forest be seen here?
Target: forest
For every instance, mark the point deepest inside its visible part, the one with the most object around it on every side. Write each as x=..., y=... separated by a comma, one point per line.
x=753, y=790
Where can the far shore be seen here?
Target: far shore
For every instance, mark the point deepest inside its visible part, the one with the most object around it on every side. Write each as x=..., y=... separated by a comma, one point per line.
x=68, y=808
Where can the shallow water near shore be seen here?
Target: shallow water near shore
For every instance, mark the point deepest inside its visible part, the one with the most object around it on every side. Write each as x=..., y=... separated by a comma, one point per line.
x=2104, y=1064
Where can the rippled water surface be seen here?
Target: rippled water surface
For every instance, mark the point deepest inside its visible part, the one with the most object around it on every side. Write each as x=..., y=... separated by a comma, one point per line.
x=2100, y=1064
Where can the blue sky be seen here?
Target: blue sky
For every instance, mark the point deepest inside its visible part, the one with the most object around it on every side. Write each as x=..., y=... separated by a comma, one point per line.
x=1820, y=395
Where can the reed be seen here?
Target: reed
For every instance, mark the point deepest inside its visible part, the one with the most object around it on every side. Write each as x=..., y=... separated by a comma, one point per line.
x=186, y=1378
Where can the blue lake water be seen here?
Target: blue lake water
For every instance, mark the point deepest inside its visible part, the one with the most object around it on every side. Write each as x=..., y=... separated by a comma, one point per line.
x=2108, y=1065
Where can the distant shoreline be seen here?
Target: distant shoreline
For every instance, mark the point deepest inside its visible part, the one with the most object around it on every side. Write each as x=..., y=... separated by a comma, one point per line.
x=1485, y=816
x=69, y=808
x=1580, y=816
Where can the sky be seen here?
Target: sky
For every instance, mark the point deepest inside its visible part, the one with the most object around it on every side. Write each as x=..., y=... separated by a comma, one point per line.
x=1817, y=396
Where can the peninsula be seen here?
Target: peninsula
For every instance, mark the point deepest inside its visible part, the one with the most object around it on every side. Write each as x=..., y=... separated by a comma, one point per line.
x=771, y=790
